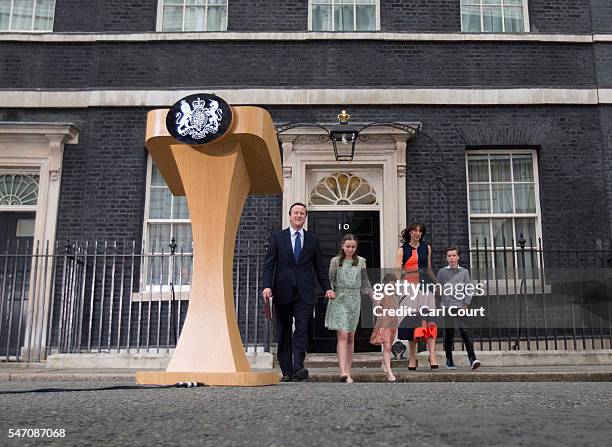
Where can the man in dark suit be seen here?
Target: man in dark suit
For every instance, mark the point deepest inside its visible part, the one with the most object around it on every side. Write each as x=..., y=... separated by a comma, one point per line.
x=293, y=258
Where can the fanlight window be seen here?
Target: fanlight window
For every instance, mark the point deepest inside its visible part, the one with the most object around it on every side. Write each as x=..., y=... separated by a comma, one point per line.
x=343, y=188
x=18, y=189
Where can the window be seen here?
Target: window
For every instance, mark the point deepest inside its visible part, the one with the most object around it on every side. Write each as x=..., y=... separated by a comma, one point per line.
x=344, y=15
x=166, y=216
x=503, y=199
x=192, y=15
x=26, y=15
x=494, y=16
x=18, y=190
x=343, y=188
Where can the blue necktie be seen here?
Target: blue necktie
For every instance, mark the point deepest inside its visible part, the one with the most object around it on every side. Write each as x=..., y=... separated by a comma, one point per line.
x=298, y=247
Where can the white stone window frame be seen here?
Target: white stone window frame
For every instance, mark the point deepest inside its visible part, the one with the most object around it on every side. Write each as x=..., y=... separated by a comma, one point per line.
x=156, y=292
x=500, y=283
x=376, y=25
x=482, y=4
x=160, y=18
x=10, y=30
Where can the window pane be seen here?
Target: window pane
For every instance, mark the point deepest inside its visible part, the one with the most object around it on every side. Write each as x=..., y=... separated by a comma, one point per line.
x=479, y=229
x=343, y=16
x=179, y=207
x=478, y=168
x=502, y=232
x=525, y=198
x=216, y=20
x=43, y=20
x=502, y=197
x=5, y=14
x=159, y=238
x=500, y=168
x=513, y=20
x=155, y=276
x=522, y=166
x=22, y=15
x=513, y=2
x=492, y=19
x=504, y=267
x=160, y=203
x=156, y=177
x=321, y=18
x=479, y=199
x=173, y=18
x=481, y=266
x=470, y=19
x=194, y=18
x=526, y=226
x=182, y=269
x=366, y=17
x=182, y=234
x=530, y=258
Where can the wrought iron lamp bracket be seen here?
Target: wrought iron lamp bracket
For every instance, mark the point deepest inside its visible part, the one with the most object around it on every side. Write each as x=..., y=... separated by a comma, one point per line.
x=412, y=131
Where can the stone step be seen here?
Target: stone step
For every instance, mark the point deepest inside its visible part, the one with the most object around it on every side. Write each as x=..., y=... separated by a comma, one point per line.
x=488, y=358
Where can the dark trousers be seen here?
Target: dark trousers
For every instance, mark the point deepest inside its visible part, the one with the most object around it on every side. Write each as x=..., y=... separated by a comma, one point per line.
x=466, y=336
x=292, y=344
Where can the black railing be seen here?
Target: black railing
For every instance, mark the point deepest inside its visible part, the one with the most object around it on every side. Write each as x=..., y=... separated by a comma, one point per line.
x=541, y=299
x=111, y=297
x=107, y=297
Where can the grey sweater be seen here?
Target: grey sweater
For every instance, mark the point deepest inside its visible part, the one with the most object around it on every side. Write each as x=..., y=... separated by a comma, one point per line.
x=455, y=277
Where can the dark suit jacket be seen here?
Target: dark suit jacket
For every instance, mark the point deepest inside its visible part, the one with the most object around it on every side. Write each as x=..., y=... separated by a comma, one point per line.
x=282, y=274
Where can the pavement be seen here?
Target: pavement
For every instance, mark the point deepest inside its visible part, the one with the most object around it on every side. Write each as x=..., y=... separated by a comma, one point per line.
x=11, y=372
x=310, y=414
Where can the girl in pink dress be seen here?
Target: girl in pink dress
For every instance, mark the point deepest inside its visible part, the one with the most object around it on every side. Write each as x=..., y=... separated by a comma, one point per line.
x=385, y=329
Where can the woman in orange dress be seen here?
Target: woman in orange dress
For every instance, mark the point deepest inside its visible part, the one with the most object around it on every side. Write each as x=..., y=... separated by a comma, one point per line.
x=414, y=262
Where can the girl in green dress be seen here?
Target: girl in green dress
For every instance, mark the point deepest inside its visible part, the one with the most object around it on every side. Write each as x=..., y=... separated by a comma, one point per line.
x=349, y=279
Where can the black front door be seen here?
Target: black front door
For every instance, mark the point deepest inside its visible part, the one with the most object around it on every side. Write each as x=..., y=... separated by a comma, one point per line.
x=16, y=227
x=330, y=226
x=16, y=236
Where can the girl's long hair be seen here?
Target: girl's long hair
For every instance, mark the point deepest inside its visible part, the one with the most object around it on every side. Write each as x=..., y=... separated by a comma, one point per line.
x=348, y=237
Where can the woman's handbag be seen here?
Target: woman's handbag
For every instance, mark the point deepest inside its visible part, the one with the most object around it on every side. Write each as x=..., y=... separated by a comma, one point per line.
x=425, y=331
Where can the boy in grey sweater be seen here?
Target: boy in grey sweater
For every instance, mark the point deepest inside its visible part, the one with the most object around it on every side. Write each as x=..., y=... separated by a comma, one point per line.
x=456, y=276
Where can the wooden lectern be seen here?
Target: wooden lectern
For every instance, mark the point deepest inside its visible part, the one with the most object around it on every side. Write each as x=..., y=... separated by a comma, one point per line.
x=216, y=178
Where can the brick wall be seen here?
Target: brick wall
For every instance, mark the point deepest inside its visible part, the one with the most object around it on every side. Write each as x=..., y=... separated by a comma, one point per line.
x=603, y=60
x=601, y=12
x=133, y=16
x=209, y=65
x=103, y=180
x=546, y=16
x=428, y=16
x=268, y=15
x=560, y=16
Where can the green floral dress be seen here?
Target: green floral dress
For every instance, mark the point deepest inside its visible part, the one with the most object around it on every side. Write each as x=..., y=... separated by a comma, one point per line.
x=349, y=282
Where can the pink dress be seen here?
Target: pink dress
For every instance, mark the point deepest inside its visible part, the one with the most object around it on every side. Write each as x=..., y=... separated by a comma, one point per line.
x=385, y=329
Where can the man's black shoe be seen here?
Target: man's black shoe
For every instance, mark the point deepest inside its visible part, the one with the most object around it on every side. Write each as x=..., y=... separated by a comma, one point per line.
x=300, y=375
x=286, y=379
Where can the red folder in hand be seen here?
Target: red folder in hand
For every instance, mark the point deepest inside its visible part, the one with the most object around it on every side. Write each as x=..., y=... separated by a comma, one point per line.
x=268, y=309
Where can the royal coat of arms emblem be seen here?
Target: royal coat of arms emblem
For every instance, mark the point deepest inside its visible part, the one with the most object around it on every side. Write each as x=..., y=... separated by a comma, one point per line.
x=199, y=121
x=199, y=118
